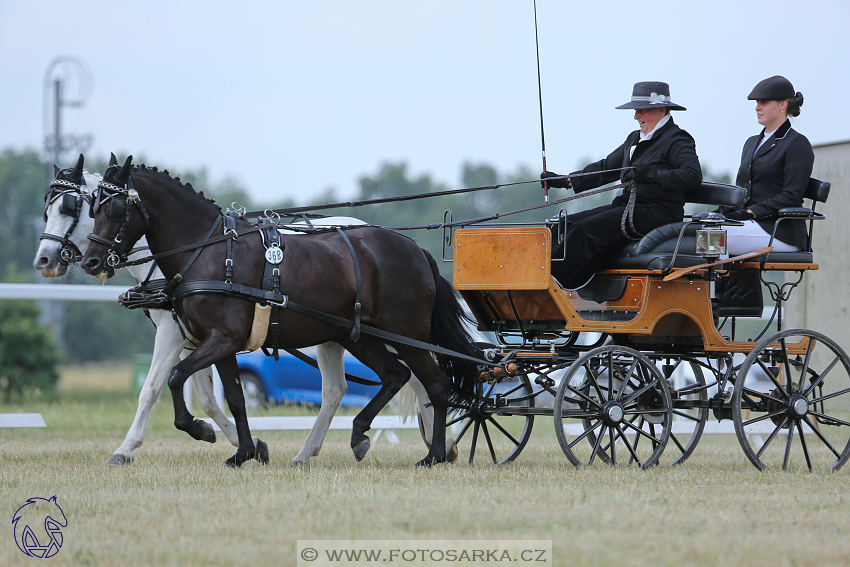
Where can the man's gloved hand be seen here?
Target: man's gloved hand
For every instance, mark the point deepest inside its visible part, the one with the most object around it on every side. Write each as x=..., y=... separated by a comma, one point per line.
x=739, y=215
x=645, y=174
x=561, y=183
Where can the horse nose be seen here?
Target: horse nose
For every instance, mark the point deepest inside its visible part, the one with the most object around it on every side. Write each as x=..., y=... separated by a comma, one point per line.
x=41, y=263
x=92, y=266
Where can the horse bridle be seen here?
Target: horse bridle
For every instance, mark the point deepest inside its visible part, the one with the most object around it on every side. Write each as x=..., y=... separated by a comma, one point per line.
x=72, y=196
x=118, y=199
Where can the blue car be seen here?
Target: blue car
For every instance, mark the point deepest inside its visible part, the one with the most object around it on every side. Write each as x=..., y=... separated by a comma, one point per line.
x=290, y=380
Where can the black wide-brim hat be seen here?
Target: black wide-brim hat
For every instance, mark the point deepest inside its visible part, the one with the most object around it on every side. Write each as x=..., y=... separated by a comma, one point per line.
x=773, y=88
x=651, y=94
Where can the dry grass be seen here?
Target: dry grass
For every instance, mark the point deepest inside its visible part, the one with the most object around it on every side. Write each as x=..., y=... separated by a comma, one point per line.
x=177, y=505
x=109, y=376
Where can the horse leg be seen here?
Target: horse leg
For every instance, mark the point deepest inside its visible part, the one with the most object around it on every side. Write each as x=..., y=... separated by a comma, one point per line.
x=426, y=410
x=229, y=372
x=330, y=357
x=436, y=386
x=210, y=350
x=372, y=352
x=204, y=386
x=167, y=346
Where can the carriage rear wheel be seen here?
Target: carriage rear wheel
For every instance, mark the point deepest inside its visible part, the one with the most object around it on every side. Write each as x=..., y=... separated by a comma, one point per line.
x=792, y=410
x=494, y=423
x=613, y=405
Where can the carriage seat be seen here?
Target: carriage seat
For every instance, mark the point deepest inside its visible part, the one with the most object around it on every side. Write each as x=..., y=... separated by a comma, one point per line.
x=655, y=250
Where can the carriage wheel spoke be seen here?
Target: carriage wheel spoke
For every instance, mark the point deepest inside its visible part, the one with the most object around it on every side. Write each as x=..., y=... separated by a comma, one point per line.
x=770, y=375
x=457, y=419
x=596, y=446
x=463, y=430
x=610, y=375
x=626, y=380
x=830, y=418
x=828, y=396
x=512, y=390
x=635, y=395
x=611, y=442
x=587, y=432
x=652, y=430
x=686, y=415
x=642, y=432
x=786, y=364
x=821, y=437
x=489, y=442
x=803, y=443
x=676, y=441
x=823, y=374
x=763, y=417
x=474, y=442
x=583, y=395
x=503, y=430
x=632, y=450
x=594, y=381
x=805, y=369
x=787, y=448
x=762, y=395
x=771, y=437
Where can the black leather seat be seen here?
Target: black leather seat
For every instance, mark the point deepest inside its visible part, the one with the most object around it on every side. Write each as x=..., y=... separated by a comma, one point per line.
x=655, y=250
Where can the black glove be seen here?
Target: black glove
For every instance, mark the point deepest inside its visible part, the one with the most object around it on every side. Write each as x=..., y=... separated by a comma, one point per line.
x=561, y=183
x=739, y=215
x=645, y=174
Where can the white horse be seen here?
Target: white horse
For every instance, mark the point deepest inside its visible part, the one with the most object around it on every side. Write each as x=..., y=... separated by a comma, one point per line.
x=170, y=345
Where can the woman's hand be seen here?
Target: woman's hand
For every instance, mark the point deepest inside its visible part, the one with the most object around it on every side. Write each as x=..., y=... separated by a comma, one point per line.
x=564, y=183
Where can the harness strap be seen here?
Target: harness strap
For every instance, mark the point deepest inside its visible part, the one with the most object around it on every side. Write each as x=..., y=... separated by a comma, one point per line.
x=355, y=330
x=178, y=277
x=350, y=377
x=283, y=301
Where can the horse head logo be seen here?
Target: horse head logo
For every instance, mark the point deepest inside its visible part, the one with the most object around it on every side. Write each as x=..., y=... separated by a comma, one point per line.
x=38, y=527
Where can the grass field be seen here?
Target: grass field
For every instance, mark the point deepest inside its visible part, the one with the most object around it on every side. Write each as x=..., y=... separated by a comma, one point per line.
x=177, y=504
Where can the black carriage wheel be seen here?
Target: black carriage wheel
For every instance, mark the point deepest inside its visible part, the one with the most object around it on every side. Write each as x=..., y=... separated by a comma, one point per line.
x=624, y=420
x=492, y=425
x=688, y=421
x=792, y=411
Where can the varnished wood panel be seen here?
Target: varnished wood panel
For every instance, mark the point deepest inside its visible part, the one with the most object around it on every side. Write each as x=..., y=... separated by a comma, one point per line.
x=502, y=258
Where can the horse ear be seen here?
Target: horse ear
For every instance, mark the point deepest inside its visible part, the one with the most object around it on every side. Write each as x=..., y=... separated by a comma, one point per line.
x=56, y=171
x=112, y=160
x=124, y=173
x=76, y=175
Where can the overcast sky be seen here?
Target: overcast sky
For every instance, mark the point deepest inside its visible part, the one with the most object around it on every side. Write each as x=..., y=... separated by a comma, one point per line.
x=296, y=97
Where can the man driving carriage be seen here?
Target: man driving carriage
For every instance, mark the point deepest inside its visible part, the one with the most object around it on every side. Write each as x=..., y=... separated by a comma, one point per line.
x=662, y=162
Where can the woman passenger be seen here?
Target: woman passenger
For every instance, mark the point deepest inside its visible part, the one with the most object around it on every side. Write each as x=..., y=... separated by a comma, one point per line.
x=775, y=166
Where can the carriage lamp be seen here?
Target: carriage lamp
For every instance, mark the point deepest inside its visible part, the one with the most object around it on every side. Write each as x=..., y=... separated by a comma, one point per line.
x=711, y=243
x=711, y=239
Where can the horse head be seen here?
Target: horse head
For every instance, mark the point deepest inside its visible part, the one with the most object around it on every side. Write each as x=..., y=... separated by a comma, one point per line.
x=66, y=214
x=116, y=229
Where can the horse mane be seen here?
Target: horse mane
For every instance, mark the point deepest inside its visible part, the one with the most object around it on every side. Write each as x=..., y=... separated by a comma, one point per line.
x=174, y=181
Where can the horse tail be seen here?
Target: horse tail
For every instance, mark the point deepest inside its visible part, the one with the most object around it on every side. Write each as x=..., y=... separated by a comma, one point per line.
x=451, y=329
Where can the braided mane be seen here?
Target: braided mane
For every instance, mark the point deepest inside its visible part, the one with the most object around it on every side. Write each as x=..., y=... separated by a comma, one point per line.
x=153, y=171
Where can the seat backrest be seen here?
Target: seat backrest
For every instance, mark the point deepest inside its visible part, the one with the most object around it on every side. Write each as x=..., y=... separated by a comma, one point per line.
x=817, y=190
x=710, y=193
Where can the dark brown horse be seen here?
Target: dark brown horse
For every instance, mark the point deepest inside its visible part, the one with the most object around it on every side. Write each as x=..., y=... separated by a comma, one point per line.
x=402, y=293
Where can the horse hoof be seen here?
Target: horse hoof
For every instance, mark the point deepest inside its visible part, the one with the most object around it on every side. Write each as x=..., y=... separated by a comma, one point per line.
x=452, y=451
x=298, y=463
x=428, y=461
x=361, y=449
x=233, y=462
x=261, y=453
x=118, y=459
x=204, y=431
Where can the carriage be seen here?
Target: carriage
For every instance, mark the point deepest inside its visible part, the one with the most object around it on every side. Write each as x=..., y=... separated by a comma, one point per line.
x=633, y=365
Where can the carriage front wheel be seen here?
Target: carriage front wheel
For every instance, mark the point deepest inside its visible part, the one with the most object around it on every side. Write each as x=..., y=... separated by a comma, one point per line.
x=497, y=423
x=791, y=404
x=613, y=405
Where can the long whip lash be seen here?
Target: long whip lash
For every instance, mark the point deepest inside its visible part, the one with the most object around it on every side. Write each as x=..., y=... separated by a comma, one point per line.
x=540, y=97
